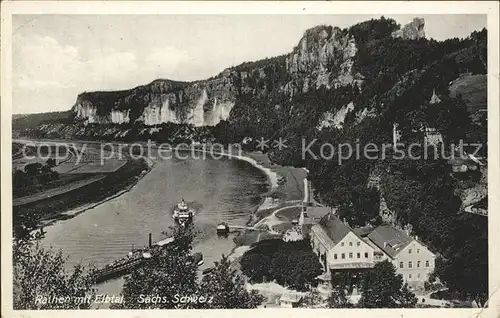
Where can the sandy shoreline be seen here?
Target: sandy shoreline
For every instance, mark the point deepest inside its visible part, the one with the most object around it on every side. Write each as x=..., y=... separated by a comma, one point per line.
x=271, y=175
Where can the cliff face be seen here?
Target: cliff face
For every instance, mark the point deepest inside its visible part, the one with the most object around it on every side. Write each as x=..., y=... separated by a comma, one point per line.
x=324, y=56
x=162, y=101
x=411, y=31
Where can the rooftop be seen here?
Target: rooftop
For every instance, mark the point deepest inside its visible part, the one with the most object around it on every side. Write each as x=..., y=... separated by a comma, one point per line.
x=362, y=231
x=334, y=228
x=291, y=297
x=389, y=239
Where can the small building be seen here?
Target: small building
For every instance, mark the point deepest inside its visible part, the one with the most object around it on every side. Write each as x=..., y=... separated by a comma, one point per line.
x=411, y=258
x=290, y=300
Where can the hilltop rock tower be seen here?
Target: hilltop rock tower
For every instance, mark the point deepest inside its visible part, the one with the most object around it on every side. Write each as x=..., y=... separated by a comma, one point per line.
x=411, y=31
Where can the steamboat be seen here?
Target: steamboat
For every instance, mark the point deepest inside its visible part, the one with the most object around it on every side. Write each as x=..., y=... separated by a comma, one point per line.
x=183, y=214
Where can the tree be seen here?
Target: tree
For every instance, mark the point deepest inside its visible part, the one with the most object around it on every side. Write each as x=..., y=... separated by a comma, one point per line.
x=382, y=288
x=464, y=267
x=19, y=179
x=313, y=299
x=40, y=276
x=51, y=162
x=291, y=264
x=363, y=209
x=46, y=174
x=406, y=298
x=33, y=169
x=338, y=298
x=295, y=269
x=227, y=289
x=256, y=266
x=161, y=282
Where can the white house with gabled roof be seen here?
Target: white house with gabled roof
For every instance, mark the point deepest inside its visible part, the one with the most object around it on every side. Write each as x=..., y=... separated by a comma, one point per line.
x=338, y=247
x=412, y=259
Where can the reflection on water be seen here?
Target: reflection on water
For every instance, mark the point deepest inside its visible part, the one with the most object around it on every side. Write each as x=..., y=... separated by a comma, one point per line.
x=225, y=190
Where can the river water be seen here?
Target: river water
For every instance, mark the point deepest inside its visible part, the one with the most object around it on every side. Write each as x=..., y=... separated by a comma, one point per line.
x=226, y=189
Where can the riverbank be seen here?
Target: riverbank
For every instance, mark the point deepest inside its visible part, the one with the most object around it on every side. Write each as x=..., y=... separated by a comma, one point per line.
x=288, y=191
x=115, y=184
x=75, y=212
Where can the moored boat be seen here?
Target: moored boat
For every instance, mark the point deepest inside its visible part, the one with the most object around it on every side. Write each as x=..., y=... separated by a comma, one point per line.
x=223, y=228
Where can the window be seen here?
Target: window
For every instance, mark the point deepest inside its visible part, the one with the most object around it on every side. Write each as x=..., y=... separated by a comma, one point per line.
x=358, y=255
x=350, y=255
x=410, y=264
x=343, y=255
x=335, y=256
x=418, y=250
x=358, y=243
x=401, y=265
x=366, y=255
x=342, y=244
x=426, y=263
x=350, y=243
x=409, y=251
x=418, y=275
x=409, y=276
x=418, y=263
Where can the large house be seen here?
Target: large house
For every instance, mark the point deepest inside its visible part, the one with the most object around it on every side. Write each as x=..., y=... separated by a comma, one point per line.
x=338, y=247
x=412, y=258
x=341, y=248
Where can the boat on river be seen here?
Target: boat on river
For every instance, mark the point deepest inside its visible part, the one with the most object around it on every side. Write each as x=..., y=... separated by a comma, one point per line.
x=222, y=229
x=183, y=213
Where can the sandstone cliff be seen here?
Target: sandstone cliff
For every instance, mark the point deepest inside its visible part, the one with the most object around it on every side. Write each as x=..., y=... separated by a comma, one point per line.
x=324, y=56
x=411, y=31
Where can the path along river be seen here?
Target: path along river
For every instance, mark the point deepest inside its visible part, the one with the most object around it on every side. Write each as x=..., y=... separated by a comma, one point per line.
x=227, y=190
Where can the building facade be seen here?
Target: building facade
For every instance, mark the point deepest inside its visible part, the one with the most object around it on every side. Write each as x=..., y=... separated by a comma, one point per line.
x=340, y=248
x=411, y=258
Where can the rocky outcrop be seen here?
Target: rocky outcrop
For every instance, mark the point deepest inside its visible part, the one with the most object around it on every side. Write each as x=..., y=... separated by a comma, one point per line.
x=162, y=101
x=323, y=57
x=411, y=31
x=336, y=120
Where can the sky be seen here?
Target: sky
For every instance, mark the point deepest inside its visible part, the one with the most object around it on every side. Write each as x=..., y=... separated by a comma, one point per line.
x=56, y=57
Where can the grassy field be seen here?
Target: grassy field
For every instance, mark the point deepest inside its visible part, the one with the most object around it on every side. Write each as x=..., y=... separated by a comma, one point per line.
x=64, y=181
x=59, y=187
x=473, y=89
x=289, y=214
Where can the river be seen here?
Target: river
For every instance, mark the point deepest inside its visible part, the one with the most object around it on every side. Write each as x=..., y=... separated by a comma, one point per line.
x=111, y=229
